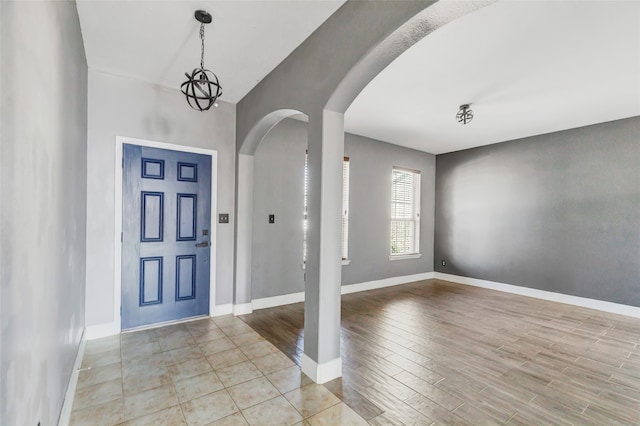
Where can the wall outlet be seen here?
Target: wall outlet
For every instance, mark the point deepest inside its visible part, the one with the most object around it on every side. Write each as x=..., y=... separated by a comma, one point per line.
x=223, y=218
x=444, y=263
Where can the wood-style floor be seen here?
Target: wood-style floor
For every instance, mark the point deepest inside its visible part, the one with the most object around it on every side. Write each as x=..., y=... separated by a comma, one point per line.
x=435, y=352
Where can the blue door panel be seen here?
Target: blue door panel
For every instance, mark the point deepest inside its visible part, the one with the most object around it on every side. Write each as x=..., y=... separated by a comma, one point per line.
x=152, y=168
x=187, y=172
x=187, y=217
x=185, y=277
x=151, y=216
x=150, y=280
x=166, y=218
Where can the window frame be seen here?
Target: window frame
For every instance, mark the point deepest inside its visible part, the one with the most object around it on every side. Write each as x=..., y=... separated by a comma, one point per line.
x=414, y=244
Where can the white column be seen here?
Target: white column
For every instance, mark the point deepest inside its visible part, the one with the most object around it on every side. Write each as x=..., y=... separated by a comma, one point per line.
x=321, y=359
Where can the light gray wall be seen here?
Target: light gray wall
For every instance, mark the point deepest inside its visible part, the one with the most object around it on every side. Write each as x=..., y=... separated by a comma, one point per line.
x=557, y=212
x=120, y=106
x=276, y=266
x=43, y=216
x=278, y=189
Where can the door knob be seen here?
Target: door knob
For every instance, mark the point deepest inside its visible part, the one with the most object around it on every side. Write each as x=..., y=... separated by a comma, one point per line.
x=203, y=244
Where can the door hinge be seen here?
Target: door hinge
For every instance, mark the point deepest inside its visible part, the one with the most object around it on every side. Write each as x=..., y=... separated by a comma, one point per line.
x=120, y=310
x=120, y=236
x=122, y=162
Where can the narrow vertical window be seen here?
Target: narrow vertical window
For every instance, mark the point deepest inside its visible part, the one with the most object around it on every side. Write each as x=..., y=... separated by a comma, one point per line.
x=405, y=212
x=305, y=221
x=344, y=248
x=344, y=240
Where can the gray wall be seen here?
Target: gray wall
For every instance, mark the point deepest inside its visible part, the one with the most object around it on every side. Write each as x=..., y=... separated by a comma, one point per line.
x=124, y=107
x=278, y=189
x=370, y=165
x=557, y=212
x=276, y=259
x=43, y=219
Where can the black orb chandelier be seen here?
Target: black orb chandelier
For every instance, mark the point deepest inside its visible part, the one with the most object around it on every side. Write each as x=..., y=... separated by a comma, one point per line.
x=202, y=87
x=464, y=115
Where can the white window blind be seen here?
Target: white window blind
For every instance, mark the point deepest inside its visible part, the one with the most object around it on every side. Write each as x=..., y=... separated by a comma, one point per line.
x=405, y=211
x=344, y=248
x=305, y=223
x=344, y=245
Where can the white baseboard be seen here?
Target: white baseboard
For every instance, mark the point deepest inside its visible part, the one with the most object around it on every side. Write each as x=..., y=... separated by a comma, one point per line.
x=219, y=310
x=600, y=305
x=285, y=299
x=67, y=405
x=101, y=330
x=321, y=373
x=386, y=282
x=242, y=308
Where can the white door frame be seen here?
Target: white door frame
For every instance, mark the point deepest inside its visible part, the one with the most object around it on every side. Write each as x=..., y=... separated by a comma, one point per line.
x=117, y=282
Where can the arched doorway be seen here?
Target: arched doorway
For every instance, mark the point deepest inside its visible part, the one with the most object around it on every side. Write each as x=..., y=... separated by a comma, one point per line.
x=246, y=212
x=324, y=93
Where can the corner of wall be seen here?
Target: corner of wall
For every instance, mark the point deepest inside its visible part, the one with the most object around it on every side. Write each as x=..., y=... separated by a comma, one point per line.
x=65, y=412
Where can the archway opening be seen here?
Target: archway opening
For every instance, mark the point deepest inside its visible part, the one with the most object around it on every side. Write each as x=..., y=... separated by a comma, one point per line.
x=271, y=216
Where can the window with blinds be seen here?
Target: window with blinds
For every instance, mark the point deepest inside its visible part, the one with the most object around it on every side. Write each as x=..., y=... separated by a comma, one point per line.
x=345, y=209
x=405, y=211
x=344, y=245
x=305, y=222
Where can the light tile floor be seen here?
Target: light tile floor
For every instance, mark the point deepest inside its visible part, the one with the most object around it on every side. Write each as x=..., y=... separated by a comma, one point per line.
x=206, y=372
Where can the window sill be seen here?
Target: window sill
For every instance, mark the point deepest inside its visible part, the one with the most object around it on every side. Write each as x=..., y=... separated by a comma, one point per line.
x=346, y=262
x=405, y=256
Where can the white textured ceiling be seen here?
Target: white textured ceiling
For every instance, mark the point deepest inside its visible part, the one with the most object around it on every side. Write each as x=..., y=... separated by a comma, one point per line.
x=158, y=41
x=527, y=68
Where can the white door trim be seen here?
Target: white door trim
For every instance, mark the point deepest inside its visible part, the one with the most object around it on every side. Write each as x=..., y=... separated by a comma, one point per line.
x=117, y=282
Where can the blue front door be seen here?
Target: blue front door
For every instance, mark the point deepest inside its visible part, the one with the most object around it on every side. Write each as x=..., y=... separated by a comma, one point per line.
x=166, y=219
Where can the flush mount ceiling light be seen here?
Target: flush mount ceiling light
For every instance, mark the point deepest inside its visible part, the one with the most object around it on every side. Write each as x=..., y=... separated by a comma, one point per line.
x=202, y=87
x=464, y=115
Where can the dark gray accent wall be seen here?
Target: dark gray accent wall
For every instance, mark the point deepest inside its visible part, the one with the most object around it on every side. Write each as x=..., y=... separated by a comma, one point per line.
x=558, y=212
x=279, y=189
x=43, y=214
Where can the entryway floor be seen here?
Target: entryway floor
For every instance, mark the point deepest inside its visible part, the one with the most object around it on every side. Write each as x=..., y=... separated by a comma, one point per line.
x=207, y=372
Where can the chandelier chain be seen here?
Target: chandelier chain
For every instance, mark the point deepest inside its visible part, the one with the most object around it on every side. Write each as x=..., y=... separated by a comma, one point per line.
x=202, y=49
